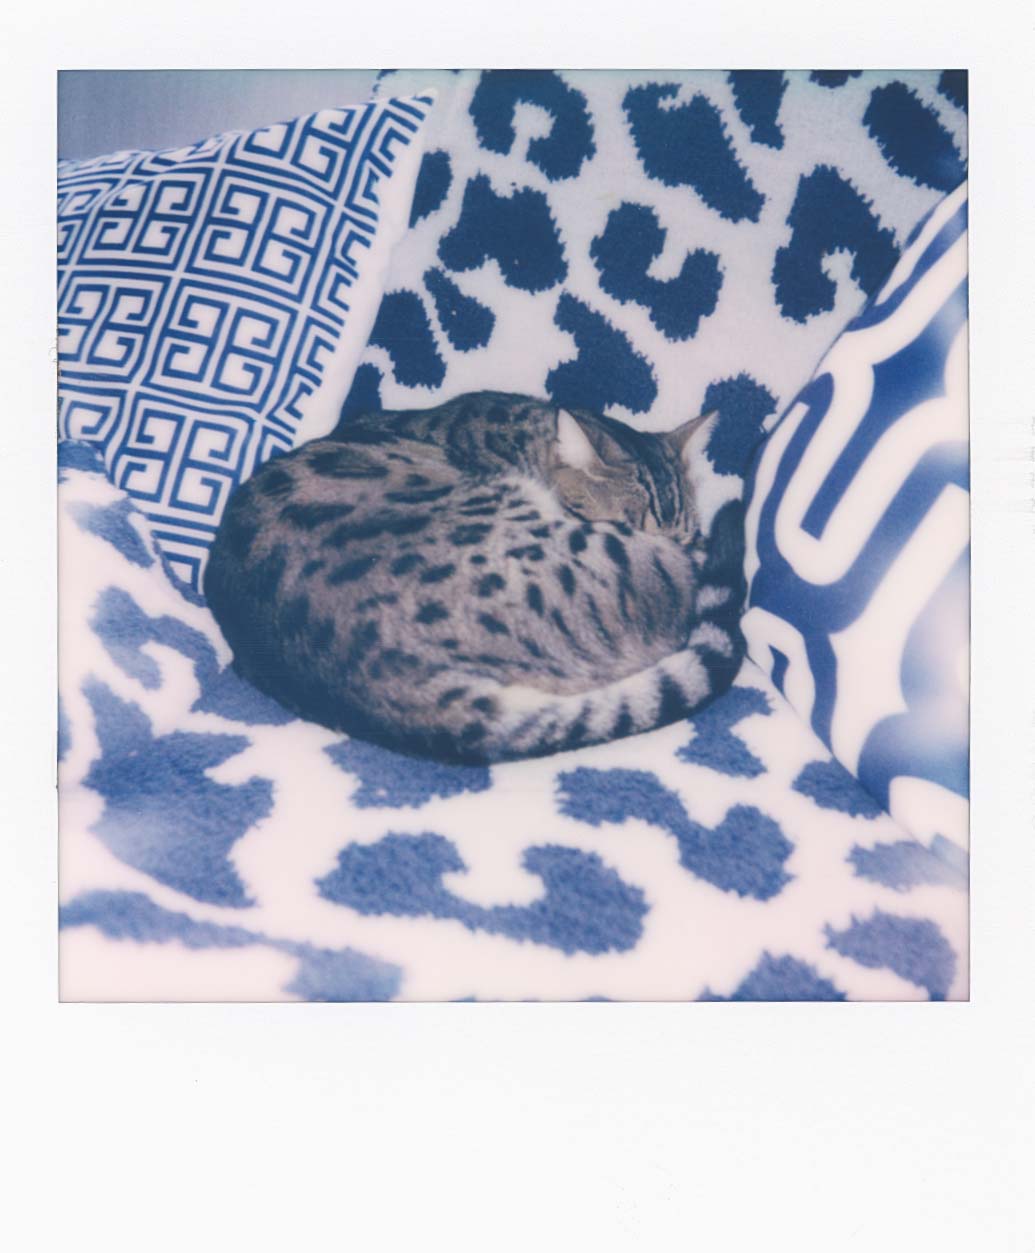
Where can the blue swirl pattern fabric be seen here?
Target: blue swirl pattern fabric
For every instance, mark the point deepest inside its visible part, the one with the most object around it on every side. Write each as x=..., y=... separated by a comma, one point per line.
x=858, y=539
x=213, y=300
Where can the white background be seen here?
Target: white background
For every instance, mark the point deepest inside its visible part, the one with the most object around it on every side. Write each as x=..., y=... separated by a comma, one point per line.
x=724, y=1127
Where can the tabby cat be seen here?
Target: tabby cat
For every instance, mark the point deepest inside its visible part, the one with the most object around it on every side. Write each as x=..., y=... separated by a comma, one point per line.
x=489, y=579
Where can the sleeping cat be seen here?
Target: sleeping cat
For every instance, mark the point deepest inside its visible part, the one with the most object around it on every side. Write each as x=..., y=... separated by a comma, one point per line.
x=489, y=579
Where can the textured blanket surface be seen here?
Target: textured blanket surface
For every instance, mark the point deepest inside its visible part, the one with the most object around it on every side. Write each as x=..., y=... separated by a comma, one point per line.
x=214, y=847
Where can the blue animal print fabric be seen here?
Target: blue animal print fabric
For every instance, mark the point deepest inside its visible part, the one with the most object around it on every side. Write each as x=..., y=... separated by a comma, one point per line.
x=647, y=244
x=653, y=244
x=858, y=540
x=213, y=299
x=215, y=847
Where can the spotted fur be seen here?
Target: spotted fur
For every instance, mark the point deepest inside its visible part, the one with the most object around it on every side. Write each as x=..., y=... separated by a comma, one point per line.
x=488, y=579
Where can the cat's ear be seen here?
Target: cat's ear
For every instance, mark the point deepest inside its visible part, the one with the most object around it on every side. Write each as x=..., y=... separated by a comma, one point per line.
x=573, y=444
x=692, y=437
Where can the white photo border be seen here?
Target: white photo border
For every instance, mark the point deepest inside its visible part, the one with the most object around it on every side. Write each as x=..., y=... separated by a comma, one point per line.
x=613, y=1126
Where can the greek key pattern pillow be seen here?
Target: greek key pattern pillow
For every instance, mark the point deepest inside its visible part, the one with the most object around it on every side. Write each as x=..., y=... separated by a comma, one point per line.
x=213, y=300
x=858, y=539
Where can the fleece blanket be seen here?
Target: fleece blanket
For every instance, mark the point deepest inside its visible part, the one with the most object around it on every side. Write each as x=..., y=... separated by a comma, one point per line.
x=646, y=245
x=214, y=847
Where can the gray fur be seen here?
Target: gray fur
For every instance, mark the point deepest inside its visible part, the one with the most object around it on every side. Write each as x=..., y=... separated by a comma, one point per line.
x=488, y=579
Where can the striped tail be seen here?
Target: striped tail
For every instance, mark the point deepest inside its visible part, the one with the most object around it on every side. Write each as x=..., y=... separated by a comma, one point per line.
x=533, y=723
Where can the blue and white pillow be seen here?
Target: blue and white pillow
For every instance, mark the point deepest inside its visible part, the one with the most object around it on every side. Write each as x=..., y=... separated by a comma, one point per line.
x=858, y=539
x=654, y=244
x=213, y=300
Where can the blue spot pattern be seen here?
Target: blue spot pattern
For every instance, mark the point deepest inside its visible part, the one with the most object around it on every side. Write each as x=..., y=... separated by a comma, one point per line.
x=781, y=979
x=757, y=95
x=604, y=153
x=561, y=153
x=74, y=454
x=433, y=182
x=687, y=146
x=607, y=370
x=745, y=853
x=914, y=948
x=906, y=864
x=623, y=253
x=517, y=232
x=123, y=628
x=467, y=322
x=364, y=394
x=322, y=974
x=830, y=785
x=953, y=86
x=112, y=524
x=714, y=745
x=912, y=139
x=742, y=404
x=586, y=907
x=163, y=814
x=833, y=78
x=829, y=213
x=389, y=779
x=403, y=330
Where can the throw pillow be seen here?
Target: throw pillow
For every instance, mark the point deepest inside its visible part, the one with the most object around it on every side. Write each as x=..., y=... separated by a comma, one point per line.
x=213, y=300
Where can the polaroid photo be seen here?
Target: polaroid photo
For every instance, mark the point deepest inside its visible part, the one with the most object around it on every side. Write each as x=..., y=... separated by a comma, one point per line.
x=513, y=535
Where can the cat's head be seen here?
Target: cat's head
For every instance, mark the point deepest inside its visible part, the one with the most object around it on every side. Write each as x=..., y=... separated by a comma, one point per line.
x=604, y=471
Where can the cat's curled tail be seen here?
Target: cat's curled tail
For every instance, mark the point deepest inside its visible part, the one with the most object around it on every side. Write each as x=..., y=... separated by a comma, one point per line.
x=494, y=722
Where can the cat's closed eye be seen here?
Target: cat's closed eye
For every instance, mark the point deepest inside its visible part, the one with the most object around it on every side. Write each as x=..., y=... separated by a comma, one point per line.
x=601, y=496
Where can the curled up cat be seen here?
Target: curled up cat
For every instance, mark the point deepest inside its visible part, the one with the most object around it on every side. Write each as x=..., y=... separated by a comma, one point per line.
x=489, y=579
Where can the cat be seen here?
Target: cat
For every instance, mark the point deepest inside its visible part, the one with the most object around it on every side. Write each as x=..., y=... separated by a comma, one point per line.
x=489, y=579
